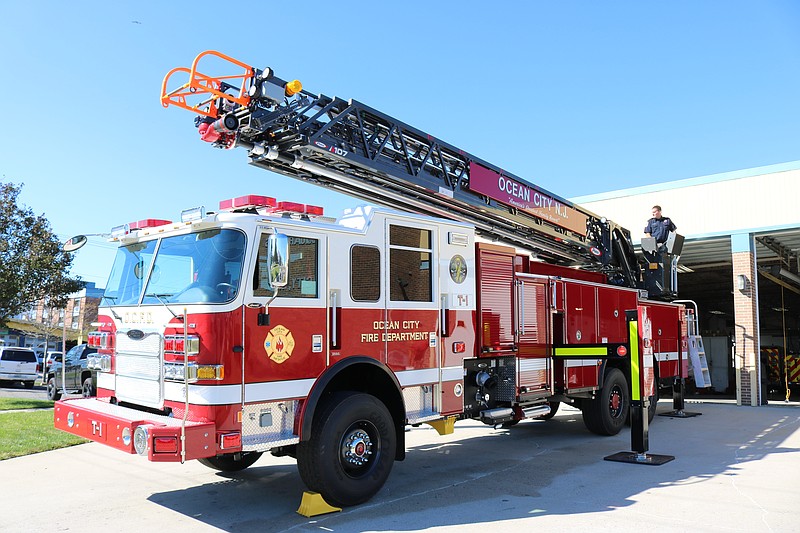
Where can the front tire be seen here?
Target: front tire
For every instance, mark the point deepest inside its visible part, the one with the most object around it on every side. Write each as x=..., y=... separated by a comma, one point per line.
x=87, y=390
x=229, y=462
x=607, y=413
x=52, y=390
x=351, y=450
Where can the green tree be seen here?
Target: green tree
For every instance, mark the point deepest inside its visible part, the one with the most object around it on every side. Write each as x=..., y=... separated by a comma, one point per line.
x=33, y=267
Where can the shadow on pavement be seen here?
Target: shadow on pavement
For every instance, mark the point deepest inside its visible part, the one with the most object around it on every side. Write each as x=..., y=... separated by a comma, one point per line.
x=535, y=468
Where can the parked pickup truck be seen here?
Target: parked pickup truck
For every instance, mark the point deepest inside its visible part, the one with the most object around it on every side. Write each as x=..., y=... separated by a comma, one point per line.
x=79, y=378
x=18, y=364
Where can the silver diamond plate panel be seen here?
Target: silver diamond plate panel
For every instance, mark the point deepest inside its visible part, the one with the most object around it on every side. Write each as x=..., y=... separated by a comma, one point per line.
x=149, y=345
x=139, y=366
x=127, y=413
x=268, y=425
x=419, y=403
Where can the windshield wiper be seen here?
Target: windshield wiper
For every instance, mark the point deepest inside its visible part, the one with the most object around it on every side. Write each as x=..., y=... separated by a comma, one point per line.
x=159, y=298
x=112, y=300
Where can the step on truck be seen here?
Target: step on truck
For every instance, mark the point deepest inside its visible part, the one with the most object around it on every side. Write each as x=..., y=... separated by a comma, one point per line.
x=461, y=292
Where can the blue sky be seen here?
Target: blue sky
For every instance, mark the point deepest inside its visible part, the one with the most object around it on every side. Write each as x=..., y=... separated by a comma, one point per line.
x=578, y=97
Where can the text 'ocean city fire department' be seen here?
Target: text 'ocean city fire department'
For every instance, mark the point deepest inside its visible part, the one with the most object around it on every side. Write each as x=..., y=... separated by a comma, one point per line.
x=467, y=293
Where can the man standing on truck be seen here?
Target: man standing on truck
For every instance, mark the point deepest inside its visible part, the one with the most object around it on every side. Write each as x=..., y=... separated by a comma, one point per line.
x=659, y=226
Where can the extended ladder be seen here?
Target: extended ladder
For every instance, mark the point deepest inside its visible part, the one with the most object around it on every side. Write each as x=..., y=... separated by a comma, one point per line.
x=357, y=150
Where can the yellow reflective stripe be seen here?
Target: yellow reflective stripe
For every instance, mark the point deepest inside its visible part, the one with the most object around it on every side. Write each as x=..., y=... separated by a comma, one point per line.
x=591, y=350
x=633, y=331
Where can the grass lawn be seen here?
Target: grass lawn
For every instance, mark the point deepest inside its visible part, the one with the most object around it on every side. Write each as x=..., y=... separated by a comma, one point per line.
x=26, y=432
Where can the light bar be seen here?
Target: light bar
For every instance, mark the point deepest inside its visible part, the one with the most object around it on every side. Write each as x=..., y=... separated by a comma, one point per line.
x=243, y=202
x=302, y=209
x=148, y=223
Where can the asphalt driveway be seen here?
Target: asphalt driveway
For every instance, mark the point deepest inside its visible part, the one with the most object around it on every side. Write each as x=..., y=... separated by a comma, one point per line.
x=735, y=469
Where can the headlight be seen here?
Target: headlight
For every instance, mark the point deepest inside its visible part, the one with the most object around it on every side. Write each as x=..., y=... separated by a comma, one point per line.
x=140, y=440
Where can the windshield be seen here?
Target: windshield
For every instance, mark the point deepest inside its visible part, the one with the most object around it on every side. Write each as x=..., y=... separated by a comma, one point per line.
x=203, y=267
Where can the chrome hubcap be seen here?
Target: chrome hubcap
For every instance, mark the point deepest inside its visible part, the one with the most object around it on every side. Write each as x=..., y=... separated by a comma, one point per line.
x=357, y=448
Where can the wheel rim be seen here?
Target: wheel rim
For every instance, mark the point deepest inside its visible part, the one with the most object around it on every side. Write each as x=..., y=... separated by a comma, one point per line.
x=50, y=388
x=616, y=402
x=87, y=391
x=359, y=448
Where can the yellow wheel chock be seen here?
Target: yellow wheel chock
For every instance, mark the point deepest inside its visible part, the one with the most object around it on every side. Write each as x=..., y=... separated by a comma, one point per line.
x=313, y=504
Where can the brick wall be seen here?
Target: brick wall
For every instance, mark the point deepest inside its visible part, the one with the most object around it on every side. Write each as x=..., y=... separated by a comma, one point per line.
x=747, y=339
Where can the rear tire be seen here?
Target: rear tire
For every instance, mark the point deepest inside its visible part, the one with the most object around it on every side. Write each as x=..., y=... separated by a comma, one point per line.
x=607, y=413
x=52, y=390
x=552, y=413
x=651, y=410
x=351, y=450
x=229, y=463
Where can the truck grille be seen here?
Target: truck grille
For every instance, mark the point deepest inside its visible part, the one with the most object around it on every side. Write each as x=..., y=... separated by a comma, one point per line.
x=139, y=367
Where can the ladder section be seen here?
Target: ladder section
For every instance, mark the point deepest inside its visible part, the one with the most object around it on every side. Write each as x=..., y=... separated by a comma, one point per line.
x=357, y=150
x=697, y=356
x=697, y=352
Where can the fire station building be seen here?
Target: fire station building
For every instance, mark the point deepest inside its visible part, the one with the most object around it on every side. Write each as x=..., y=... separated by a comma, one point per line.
x=739, y=264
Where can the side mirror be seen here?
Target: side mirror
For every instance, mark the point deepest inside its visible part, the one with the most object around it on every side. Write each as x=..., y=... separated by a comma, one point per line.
x=278, y=260
x=74, y=243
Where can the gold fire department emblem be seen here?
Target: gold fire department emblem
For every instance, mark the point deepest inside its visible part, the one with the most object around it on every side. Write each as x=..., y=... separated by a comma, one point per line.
x=279, y=344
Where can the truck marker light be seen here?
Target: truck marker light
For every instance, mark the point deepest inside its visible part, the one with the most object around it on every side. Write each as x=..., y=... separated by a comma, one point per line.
x=165, y=445
x=293, y=87
x=459, y=347
x=230, y=440
x=622, y=351
x=126, y=436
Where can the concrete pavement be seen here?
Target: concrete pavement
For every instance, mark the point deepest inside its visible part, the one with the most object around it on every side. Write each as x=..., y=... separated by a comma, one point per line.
x=736, y=469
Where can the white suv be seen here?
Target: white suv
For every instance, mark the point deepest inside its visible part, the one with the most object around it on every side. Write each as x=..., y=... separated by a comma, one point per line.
x=18, y=364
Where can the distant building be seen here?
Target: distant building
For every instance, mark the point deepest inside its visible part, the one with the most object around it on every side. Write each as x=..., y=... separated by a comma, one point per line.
x=72, y=323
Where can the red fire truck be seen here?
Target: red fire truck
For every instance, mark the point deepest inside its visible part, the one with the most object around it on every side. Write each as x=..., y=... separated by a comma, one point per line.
x=464, y=293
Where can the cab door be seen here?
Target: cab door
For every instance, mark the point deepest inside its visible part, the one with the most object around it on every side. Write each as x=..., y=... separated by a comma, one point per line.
x=410, y=331
x=284, y=335
x=285, y=330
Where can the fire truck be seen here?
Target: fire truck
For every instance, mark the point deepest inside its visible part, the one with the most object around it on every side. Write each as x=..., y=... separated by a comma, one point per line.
x=461, y=292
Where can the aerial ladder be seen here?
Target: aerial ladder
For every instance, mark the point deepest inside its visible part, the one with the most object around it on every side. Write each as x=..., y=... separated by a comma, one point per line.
x=354, y=149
